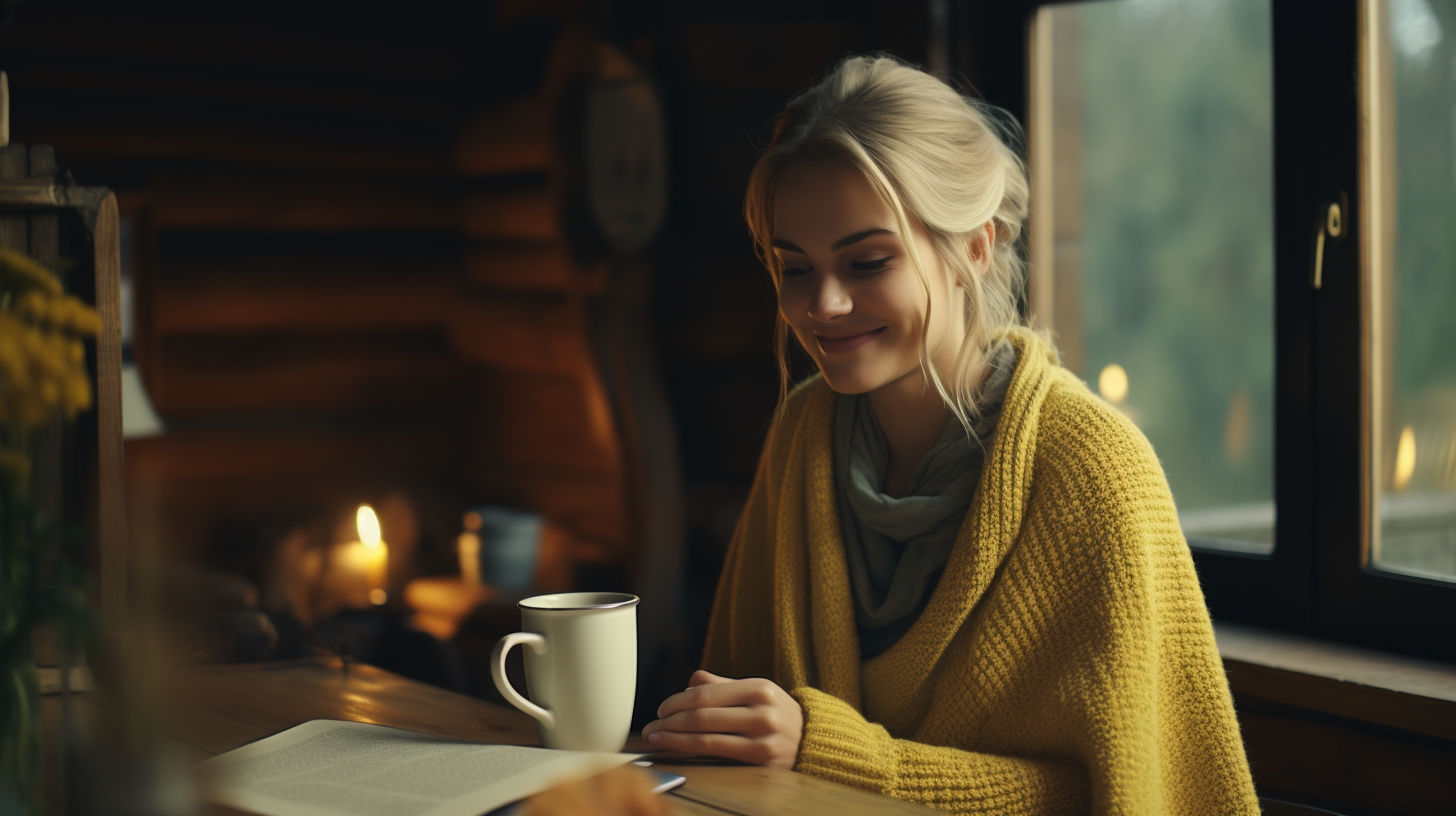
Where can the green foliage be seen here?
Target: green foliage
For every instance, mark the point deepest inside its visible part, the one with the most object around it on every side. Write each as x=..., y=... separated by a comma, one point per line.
x=1178, y=240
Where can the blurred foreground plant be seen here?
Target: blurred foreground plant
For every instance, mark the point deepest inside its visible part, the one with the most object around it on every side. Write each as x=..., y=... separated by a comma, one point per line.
x=42, y=372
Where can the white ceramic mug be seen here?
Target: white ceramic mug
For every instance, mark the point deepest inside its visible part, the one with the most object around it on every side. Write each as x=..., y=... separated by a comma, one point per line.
x=581, y=669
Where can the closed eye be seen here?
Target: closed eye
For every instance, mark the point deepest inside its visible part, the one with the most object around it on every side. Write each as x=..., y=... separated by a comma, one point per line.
x=870, y=266
x=795, y=271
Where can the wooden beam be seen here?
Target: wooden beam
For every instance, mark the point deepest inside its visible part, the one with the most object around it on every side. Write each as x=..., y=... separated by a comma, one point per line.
x=295, y=202
x=165, y=130
x=526, y=214
x=512, y=138
x=47, y=81
x=541, y=422
x=257, y=306
x=523, y=334
x=182, y=456
x=116, y=555
x=531, y=268
x=340, y=382
x=327, y=41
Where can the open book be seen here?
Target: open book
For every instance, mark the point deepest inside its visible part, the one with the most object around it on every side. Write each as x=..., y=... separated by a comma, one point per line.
x=332, y=767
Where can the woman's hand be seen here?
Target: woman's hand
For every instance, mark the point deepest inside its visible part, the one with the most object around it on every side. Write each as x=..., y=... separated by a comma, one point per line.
x=750, y=720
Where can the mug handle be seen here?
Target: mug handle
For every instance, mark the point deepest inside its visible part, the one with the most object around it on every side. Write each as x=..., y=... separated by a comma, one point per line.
x=498, y=672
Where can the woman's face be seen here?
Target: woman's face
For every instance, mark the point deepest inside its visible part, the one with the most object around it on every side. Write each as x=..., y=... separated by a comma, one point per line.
x=849, y=291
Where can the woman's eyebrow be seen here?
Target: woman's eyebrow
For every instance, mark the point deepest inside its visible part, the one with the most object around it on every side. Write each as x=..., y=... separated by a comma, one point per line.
x=857, y=237
x=837, y=245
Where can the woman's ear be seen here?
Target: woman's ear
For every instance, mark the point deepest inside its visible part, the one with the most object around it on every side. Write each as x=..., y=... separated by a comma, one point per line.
x=980, y=247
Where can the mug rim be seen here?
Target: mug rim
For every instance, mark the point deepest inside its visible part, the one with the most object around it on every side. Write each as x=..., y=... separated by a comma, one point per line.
x=627, y=600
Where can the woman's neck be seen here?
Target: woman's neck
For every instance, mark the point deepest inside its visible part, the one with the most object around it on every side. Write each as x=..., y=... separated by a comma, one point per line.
x=912, y=415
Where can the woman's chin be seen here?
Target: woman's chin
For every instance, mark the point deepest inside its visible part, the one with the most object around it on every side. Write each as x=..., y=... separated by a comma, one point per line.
x=849, y=382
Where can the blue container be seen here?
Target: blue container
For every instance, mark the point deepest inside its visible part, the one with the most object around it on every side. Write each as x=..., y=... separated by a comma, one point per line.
x=509, y=541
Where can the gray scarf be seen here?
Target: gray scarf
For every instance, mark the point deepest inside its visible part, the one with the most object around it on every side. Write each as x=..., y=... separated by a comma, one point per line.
x=897, y=548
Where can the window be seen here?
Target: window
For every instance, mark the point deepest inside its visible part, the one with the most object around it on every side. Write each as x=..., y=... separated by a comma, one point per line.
x=1255, y=259
x=1158, y=269
x=1411, y=107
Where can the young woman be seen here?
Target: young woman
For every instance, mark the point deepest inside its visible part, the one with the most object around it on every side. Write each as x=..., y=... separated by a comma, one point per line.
x=959, y=578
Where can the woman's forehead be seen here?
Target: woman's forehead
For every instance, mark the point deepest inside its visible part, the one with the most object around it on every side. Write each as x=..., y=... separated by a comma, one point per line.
x=821, y=203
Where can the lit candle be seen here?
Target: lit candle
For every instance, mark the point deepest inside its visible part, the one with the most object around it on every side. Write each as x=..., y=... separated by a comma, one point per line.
x=374, y=553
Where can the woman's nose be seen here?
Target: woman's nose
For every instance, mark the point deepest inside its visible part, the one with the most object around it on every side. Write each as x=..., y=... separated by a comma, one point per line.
x=829, y=299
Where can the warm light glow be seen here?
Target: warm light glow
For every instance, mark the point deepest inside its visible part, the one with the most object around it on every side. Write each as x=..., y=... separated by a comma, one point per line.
x=468, y=545
x=1405, y=458
x=368, y=524
x=1112, y=383
x=473, y=521
x=378, y=597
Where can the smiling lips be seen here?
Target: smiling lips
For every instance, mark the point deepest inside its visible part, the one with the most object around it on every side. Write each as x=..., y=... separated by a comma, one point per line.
x=841, y=345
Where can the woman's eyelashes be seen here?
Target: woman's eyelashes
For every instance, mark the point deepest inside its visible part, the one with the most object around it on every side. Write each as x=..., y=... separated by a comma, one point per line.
x=870, y=266
x=859, y=266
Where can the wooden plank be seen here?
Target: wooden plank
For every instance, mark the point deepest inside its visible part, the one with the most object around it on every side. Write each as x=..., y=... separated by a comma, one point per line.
x=1388, y=690
x=111, y=473
x=511, y=138
x=777, y=792
x=309, y=379
x=299, y=203
x=237, y=257
x=51, y=85
x=222, y=708
x=525, y=214
x=44, y=227
x=1342, y=765
x=326, y=42
x=291, y=453
x=521, y=333
x=14, y=229
x=250, y=305
x=169, y=130
x=542, y=422
x=541, y=268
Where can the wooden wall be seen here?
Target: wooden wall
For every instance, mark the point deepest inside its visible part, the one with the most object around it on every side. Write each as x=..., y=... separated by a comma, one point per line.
x=350, y=278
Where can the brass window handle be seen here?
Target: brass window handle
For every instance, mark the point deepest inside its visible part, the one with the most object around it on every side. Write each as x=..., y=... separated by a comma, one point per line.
x=1333, y=225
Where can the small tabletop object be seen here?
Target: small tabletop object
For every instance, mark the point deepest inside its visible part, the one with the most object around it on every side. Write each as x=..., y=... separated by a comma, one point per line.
x=441, y=603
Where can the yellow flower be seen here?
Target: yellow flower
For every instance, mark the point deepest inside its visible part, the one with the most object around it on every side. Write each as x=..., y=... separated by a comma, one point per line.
x=20, y=273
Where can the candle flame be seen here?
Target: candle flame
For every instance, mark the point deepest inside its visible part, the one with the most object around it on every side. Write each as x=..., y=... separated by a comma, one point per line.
x=368, y=525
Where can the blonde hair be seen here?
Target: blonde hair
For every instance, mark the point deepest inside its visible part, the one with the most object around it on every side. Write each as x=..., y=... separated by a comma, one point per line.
x=936, y=158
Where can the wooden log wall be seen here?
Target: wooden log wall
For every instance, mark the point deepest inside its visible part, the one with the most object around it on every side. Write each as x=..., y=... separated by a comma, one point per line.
x=349, y=273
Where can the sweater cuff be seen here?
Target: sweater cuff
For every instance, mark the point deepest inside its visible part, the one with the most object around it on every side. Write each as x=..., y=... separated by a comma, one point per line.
x=840, y=745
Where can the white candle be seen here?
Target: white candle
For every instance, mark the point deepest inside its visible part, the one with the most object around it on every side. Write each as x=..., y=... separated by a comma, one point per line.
x=468, y=545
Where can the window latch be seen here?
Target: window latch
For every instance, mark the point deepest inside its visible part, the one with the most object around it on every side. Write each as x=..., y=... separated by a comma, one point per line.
x=1331, y=226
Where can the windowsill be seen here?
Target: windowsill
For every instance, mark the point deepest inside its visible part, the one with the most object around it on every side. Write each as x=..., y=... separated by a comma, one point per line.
x=1346, y=681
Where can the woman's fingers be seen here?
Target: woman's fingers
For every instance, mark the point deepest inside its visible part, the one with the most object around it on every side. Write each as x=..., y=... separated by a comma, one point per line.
x=730, y=720
x=703, y=677
x=718, y=693
x=731, y=746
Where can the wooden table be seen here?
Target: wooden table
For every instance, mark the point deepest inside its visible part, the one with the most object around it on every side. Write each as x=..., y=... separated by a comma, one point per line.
x=219, y=709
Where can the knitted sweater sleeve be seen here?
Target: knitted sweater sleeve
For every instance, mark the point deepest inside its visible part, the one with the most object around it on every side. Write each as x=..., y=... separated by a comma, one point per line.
x=839, y=744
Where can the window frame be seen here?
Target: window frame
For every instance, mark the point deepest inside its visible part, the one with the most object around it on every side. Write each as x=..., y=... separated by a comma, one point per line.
x=1318, y=581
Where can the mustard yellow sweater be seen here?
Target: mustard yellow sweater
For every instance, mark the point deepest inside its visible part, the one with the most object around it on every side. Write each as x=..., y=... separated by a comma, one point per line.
x=1065, y=662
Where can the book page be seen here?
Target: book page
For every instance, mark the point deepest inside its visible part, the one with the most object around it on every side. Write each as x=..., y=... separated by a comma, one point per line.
x=332, y=767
